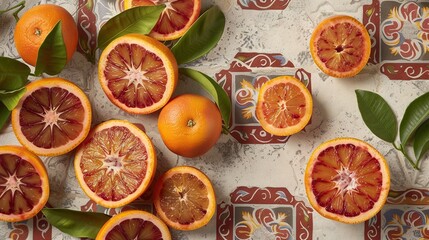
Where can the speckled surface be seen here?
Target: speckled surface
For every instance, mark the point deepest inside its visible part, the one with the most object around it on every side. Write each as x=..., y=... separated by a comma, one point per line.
x=259, y=29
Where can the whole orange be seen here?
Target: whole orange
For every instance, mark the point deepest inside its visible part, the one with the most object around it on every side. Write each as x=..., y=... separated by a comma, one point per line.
x=190, y=125
x=35, y=24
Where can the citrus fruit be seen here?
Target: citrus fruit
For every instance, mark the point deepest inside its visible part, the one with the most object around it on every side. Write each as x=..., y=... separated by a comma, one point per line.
x=340, y=46
x=184, y=198
x=53, y=117
x=190, y=125
x=177, y=17
x=284, y=106
x=24, y=186
x=138, y=73
x=347, y=180
x=36, y=23
x=134, y=224
x=115, y=164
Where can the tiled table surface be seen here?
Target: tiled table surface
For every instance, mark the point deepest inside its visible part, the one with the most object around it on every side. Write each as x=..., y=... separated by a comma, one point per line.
x=258, y=178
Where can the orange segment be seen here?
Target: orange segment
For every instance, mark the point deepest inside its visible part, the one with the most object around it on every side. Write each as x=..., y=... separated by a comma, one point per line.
x=24, y=186
x=347, y=180
x=184, y=198
x=340, y=46
x=177, y=17
x=284, y=106
x=134, y=224
x=53, y=117
x=138, y=73
x=115, y=164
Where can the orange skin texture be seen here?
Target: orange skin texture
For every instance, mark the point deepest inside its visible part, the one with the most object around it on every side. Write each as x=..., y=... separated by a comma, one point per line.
x=35, y=24
x=190, y=125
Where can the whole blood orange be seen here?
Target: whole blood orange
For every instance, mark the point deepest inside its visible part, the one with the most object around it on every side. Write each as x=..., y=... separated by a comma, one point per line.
x=36, y=23
x=190, y=125
x=177, y=17
x=340, y=46
x=134, y=224
x=24, y=186
x=184, y=198
x=52, y=117
x=284, y=106
x=347, y=180
x=138, y=73
x=115, y=164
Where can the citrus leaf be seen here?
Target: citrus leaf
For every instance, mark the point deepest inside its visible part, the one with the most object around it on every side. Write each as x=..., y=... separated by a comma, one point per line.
x=421, y=140
x=415, y=114
x=13, y=74
x=76, y=223
x=201, y=37
x=52, y=55
x=4, y=115
x=214, y=89
x=11, y=99
x=134, y=20
x=377, y=115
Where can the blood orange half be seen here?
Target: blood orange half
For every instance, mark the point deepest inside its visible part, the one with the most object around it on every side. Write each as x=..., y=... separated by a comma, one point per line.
x=53, y=117
x=177, y=17
x=340, y=46
x=24, y=186
x=284, y=106
x=134, y=224
x=347, y=180
x=115, y=164
x=138, y=73
x=184, y=198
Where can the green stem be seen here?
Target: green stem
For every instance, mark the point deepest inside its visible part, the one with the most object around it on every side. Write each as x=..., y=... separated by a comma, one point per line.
x=225, y=130
x=402, y=150
x=20, y=6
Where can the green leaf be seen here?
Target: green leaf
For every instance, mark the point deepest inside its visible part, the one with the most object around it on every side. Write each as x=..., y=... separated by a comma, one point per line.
x=4, y=115
x=415, y=114
x=134, y=20
x=421, y=140
x=11, y=99
x=76, y=223
x=214, y=89
x=52, y=55
x=203, y=36
x=13, y=74
x=377, y=115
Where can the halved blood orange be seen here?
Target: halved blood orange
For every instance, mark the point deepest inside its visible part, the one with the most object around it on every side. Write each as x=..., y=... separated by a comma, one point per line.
x=115, y=164
x=134, y=224
x=284, y=106
x=177, y=17
x=347, y=180
x=138, y=73
x=24, y=186
x=340, y=46
x=53, y=117
x=184, y=198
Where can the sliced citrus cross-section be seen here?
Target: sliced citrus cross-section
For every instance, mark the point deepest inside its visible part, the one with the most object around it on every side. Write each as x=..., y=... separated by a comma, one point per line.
x=177, y=17
x=24, y=186
x=284, y=106
x=134, y=224
x=340, y=46
x=53, y=117
x=347, y=180
x=184, y=198
x=115, y=164
x=138, y=73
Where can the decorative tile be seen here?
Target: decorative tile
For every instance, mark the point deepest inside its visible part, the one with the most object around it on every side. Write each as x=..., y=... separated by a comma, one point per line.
x=247, y=72
x=263, y=4
x=263, y=213
x=405, y=216
x=399, y=33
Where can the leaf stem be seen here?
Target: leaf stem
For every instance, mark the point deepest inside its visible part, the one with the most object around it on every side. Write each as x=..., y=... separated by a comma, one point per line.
x=402, y=150
x=20, y=6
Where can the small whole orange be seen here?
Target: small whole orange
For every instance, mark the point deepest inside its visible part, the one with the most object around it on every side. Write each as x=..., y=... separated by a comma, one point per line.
x=36, y=23
x=190, y=125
